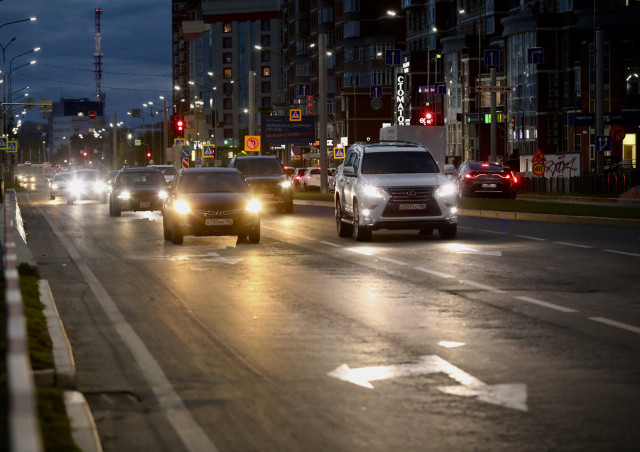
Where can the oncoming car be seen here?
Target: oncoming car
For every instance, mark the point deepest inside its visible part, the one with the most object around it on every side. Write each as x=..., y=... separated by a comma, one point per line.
x=85, y=184
x=137, y=189
x=393, y=185
x=58, y=185
x=211, y=202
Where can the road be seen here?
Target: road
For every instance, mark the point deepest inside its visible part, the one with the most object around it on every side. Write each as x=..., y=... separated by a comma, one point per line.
x=514, y=336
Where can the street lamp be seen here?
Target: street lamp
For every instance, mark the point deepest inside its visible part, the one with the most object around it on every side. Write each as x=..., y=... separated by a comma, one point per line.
x=30, y=19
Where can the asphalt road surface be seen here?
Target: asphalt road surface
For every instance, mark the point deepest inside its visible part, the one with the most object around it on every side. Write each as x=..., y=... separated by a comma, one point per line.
x=515, y=336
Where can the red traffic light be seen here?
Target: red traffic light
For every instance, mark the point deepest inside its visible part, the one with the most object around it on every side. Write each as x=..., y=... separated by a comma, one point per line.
x=148, y=155
x=84, y=153
x=180, y=125
x=428, y=119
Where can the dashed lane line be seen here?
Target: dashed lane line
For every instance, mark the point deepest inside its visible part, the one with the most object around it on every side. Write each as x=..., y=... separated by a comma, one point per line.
x=624, y=326
x=434, y=272
x=624, y=253
x=481, y=286
x=528, y=237
x=546, y=304
x=576, y=245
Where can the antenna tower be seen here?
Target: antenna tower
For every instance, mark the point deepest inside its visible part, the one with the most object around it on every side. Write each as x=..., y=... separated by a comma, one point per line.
x=97, y=57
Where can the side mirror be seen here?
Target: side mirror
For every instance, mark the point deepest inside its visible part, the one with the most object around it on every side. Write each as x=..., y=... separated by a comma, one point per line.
x=349, y=171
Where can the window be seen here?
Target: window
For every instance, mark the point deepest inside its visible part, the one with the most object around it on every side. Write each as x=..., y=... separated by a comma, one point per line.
x=265, y=56
x=265, y=25
x=227, y=73
x=227, y=89
x=351, y=29
x=265, y=87
x=228, y=103
x=325, y=15
x=265, y=40
x=266, y=102
x=227, y=58
x=226, y=28
x=227, y=43
x=228, y=119
x=266, y=71
x=349, y=6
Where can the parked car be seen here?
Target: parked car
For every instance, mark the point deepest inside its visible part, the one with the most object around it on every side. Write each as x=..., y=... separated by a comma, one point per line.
x=137, y=189
x=393, y=185
x=297, y=175
x=265, y=174
x=485, y=179
x=85, y=184
x=211, y=202
x=168, y=172
x=58, y=185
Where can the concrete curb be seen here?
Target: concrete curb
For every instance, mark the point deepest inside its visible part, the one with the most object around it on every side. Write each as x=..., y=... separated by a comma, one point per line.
x=65, y=366
x=83, y=428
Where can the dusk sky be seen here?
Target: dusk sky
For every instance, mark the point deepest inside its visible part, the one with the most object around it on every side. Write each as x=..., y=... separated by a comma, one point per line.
x=136, y=47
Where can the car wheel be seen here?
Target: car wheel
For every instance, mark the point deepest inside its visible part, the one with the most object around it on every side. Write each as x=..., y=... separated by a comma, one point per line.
x=448, y=232
x=360, y=233
x=113, y=210
x=288, y=208
x=176, y=234
x=425, y=232
x=344, y=229
x=52, y=197
x=165, y=228
x=69, y=200
x=254, y=234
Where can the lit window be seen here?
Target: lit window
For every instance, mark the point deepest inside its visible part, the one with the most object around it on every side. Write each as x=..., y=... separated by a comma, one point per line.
x=266, y=71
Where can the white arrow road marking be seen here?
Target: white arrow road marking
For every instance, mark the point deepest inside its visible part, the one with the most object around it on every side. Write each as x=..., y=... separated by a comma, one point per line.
x=508, y=395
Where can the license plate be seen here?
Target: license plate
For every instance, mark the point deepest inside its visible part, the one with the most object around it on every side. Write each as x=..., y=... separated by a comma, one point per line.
x=489, y=186
x=219, y=222
x=412, y=206
x=145, y=204
x=265, y=195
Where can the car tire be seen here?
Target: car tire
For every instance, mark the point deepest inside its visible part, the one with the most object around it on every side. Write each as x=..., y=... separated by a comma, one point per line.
x=448, y=232
x=176, y=234
x=254, y=234
x=360, y=233
x=288, y=208
x=113, y=210
x=344, y=229
x=165, y=228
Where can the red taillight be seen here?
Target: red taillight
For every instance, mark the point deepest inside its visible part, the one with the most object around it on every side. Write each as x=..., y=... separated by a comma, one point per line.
x=471, y=175
x=298, y=177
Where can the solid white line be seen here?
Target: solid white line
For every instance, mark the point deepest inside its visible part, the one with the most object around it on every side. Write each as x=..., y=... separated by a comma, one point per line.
x=573, y=244
x=191, y=434
x=433, y=272
x=330, y=244
x=481, y=286
x=493, y=232
x=393, y=261
x=531, y=238
x=623, y=252
x=624, y=326
x=546, y=304
x=359, y=251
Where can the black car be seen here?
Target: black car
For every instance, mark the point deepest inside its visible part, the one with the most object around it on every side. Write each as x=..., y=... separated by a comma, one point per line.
x=137, y=189
x=485, y=179
x=268, y=179
x=211, y=202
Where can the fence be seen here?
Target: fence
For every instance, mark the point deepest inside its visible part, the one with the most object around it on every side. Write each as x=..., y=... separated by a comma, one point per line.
x=609, y=184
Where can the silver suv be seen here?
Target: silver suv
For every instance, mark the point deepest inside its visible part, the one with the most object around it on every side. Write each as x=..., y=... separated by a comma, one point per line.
x=393, y=185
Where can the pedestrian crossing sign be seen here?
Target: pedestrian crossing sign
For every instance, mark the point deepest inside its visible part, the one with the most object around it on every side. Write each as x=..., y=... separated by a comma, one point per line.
x=295, y=115
x=12, y=146
x=3, y=143
x=208, y=150
x=338, y=152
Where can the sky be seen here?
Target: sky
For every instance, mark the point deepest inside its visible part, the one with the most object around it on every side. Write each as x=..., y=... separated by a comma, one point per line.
x=136, y=47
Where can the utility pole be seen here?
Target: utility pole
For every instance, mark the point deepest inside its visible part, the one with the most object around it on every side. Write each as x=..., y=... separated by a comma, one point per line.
x=322, y=109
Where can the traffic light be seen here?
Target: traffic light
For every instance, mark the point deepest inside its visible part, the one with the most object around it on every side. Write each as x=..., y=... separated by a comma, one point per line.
x=148, y=155
x=84, y=153
x=180, y=126
x=428, y=118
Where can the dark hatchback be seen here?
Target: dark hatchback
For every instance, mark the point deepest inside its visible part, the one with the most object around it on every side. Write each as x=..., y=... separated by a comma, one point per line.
x=484, y=179
x=211, y=202
x=137, y=189
x=267, y=177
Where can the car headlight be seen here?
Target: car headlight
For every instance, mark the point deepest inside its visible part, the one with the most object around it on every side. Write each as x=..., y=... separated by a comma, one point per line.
x=162, y=194
x=285, y=184
x=253, y=206
x=371, y=191
x=181, y=206
x=54, y=186
x=75, y=186
x=124, y=194
x=99, y=186
x=446, y=190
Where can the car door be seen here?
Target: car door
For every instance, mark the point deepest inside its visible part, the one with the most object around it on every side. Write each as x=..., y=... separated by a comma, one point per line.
x=350, y=180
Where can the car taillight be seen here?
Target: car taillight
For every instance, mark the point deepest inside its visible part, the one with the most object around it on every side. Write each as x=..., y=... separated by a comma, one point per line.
x=471, y=175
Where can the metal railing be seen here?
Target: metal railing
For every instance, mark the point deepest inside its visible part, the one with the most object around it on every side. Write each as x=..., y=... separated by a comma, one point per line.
x=609, y=184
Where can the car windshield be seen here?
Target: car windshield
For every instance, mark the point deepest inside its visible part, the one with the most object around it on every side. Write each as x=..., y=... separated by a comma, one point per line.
x=398, y=162
x=167, y=170
x=59, y=177
x=88, y=175
x=259, y=167
x=141, y=178
x=213, y=183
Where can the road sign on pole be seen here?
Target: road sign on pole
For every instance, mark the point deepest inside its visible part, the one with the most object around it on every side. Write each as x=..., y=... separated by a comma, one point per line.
x=603, y=143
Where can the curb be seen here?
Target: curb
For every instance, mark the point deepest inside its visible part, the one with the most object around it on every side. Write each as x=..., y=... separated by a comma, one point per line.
x=83, y=427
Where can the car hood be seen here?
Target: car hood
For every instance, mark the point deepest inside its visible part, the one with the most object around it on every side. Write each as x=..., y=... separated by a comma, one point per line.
x=209, y=201
x=264, y=180
x=405, y=180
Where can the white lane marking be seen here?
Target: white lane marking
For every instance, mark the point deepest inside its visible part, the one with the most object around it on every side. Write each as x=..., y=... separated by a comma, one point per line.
x=574, y=245
x=361, y=251
x=623, y=253
x=493, y=232
x=624, y=326
x=450, y=344
x=531, y=238
x=481, y=286
x=507, y=395
x=191, y=434
x=330, y=244
x=433, y=272
x=557, y=307
x=393, y=261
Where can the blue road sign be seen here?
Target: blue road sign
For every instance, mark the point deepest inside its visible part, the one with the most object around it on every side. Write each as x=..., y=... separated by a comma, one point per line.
x=338, y=152
x=208, y=150
x=492, y=57
x=536, y=55
x=12, y=146
x=603, y=143
x=392, y=57
x=304, y=89
x=440, y=87
x=375, y=91
x=184, y=153
x=3, y=142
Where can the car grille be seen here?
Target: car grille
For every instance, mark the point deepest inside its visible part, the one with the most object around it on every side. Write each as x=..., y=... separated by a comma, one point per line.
x=219, y=213
x=411, y=195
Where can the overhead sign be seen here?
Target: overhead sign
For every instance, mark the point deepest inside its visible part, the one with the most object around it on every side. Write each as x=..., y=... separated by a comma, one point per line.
x=208, y=150
x=252, y=143
x=440, y=87
x=295, y=115
x=392, y=57
x=538, y=157
x=280, y=130
x=12, y=146
x=3, y=143
x=338, y=152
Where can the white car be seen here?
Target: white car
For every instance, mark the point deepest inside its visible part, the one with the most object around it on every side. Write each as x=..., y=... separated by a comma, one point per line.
x=58, y=185
x=393, y=185
x=311, y=178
